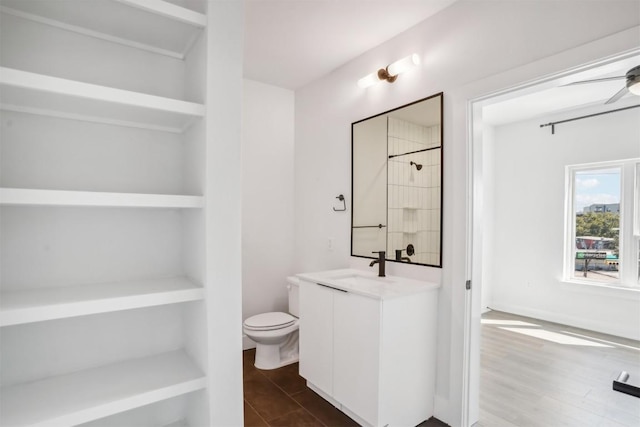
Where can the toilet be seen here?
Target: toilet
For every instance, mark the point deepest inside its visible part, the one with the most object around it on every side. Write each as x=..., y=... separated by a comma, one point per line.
x=276, y=333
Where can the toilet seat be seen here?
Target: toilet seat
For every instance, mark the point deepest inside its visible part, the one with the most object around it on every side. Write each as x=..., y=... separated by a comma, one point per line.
x=269, y=321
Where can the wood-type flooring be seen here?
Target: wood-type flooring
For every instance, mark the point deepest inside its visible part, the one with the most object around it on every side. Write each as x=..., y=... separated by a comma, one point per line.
x=280, y=398
x=533, y=374
x=536, y=373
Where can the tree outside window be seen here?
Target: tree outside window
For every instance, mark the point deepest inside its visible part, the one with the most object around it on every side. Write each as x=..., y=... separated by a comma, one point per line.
x=596, y=201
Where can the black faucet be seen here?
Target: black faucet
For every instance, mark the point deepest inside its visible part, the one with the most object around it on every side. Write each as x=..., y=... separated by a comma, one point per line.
x=380, y=261
x=410, y=251
x=401, y=258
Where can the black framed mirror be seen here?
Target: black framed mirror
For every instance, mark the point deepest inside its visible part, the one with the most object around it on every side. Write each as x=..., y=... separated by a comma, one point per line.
x=396, y=183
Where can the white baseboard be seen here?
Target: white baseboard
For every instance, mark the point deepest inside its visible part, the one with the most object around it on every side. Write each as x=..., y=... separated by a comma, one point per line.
x=564, y=319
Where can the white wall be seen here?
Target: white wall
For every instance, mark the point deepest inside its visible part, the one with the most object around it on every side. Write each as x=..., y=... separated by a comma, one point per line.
x=526, y=256
x=464, y=51
x=223, y=191
x=267, y=198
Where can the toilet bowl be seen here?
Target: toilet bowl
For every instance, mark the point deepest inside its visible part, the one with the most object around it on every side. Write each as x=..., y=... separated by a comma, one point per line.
x=276, y=333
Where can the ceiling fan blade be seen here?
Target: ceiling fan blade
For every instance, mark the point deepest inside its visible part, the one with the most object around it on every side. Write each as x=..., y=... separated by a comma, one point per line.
x=604, y=79
x=622, y=92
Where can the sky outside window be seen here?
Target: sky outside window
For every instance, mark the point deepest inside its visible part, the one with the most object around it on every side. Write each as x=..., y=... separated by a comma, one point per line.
x=596, y=187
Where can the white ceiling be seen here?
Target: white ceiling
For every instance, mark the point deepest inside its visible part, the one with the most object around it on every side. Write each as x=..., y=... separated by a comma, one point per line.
x=290, y=43
x=555, y=97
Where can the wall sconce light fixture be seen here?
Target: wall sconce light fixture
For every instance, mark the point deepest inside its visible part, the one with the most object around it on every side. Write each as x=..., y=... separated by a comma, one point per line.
x=390, y=73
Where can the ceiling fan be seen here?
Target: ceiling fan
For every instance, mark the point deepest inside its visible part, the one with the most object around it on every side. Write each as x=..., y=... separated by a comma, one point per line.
x=632, y=85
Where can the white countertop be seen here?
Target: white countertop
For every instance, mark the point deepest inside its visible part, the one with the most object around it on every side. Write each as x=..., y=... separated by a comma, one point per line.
x=368, y=284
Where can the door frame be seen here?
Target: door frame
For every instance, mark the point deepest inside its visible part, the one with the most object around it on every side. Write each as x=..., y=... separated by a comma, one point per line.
x=474, y=220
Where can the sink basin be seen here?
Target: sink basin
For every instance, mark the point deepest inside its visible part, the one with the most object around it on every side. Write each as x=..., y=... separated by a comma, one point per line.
x=368, y=284
x=365, y=283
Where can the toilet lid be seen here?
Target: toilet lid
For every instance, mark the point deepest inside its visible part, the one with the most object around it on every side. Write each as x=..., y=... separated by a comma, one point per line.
x=266, y=321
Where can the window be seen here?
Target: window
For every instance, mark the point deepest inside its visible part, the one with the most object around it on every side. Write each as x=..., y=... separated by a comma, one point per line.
x=596, y=205
x=603, y=228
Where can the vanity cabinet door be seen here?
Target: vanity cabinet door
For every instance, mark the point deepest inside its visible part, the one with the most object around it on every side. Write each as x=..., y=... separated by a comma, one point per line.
x=316, y=335
x=357, y=354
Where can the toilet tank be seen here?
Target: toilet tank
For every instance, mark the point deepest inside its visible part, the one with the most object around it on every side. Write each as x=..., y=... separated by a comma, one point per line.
x=293, y=286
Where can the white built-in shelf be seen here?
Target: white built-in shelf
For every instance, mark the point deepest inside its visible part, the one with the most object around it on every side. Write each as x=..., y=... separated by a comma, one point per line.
x=34, y=197
x=153, y=25
x=28, y=92
x=80, y=397
x=35, y=305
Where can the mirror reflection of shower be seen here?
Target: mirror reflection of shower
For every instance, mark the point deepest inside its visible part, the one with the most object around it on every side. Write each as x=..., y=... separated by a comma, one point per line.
x=418, y=167
x=397, y=183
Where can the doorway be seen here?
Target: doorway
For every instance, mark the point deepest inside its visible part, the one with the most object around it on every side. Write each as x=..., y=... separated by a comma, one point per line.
x=492, y=219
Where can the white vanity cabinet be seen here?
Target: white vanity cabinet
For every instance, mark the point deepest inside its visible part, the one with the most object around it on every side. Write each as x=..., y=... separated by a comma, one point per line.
x=357, y=351
x=316, y=344
x=371, y=356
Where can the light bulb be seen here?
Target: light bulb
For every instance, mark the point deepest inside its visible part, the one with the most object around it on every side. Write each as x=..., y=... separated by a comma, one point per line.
x=389, y=74
x=634, y=87
x=404, y=64
x=633, y=80
x=368, y=80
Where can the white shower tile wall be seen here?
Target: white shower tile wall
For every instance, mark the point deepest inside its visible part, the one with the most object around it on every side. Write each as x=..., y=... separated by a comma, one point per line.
x=414, y=195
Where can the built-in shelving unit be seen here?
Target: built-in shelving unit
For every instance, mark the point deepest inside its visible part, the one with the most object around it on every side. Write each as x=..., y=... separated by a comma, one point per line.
x=84, y=396
x=39, y=304
x=27, y=196
x=156, y=26
x=28, y=92
x=106, y=194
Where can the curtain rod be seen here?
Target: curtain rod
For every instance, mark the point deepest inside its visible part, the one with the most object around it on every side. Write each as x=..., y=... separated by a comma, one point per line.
x=553, y=124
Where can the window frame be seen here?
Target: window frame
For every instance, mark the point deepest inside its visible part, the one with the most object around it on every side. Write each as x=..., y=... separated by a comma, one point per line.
x=636, y=212
x=629, y=237
x=636, y=220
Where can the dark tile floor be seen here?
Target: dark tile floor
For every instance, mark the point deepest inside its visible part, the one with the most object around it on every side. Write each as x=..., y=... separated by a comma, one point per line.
x=281, y=398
